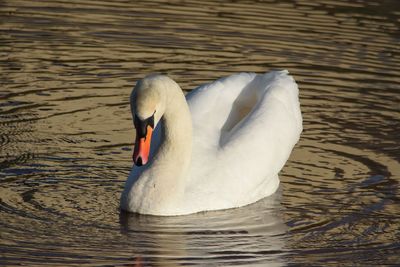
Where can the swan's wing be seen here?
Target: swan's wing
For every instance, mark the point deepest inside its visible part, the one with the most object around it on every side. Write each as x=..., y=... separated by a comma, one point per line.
x=210, y=106
x=261, y=143
x=238, y=160
x=215, y=106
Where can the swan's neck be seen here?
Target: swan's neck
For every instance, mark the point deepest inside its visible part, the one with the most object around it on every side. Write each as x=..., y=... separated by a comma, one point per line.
x=177, y=130
x=174, y=154
x=160, y=188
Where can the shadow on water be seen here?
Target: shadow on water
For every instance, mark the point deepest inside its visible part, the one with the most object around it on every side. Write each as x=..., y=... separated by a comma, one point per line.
x=252, y=234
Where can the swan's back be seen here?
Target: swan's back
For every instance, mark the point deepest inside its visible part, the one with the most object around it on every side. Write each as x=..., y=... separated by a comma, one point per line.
x=244, y=128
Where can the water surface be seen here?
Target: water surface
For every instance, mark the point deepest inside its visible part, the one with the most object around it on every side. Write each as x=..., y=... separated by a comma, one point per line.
x=67, y=68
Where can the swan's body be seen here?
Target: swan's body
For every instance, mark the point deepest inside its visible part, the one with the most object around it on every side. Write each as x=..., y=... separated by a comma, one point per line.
x=221, y=149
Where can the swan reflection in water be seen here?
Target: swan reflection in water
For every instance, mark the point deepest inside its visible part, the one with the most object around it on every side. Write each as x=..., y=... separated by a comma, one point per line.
x=254, y=234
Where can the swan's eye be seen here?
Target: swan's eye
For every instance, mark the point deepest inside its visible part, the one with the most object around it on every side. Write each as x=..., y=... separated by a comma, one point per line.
x=136, y=121
x=151, y=120
x=141, y=125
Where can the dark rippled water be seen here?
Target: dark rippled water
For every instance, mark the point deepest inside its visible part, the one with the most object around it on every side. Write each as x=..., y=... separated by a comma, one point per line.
x=67, y=68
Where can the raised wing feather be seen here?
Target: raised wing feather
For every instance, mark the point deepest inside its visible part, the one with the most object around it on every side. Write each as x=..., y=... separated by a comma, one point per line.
x=244, y=128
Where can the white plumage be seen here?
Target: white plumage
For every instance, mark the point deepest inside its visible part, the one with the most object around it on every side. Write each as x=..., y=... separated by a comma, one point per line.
x=243, y=129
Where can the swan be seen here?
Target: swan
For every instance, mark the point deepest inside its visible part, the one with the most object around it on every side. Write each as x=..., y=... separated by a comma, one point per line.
x=222, y=146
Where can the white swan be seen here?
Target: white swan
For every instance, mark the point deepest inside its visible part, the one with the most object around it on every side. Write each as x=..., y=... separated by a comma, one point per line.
x=220, y=149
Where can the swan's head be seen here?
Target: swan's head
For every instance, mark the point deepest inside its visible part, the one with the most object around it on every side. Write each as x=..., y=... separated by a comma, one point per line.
x=148, y=100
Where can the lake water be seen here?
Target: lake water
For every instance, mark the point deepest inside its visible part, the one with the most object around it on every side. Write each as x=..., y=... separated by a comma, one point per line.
x=66, y=134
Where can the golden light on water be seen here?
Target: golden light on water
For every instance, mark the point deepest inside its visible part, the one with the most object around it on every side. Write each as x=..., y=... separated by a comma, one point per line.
x=66, y=134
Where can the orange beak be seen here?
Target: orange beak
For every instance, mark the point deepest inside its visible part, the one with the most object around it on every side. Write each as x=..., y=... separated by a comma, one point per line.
x=141, y=151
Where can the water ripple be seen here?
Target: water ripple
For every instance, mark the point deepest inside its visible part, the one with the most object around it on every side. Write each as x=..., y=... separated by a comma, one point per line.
x=66, y=133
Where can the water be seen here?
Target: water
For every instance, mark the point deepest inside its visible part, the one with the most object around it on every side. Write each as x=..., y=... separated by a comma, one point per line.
x=66, y=134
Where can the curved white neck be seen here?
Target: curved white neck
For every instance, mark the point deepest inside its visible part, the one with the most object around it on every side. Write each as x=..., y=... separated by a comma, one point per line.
x=161, y=185
x=174, y=154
